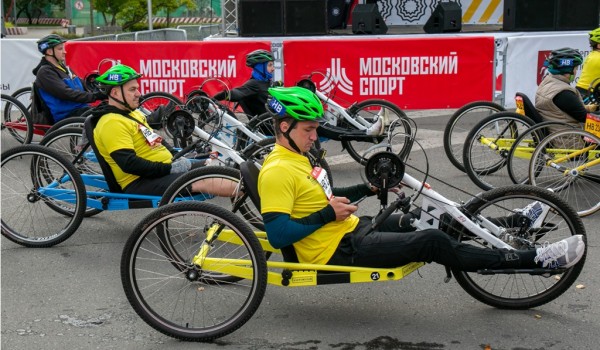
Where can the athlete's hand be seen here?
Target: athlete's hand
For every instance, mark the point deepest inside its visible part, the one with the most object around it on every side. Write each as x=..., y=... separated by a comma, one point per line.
x=342, y=207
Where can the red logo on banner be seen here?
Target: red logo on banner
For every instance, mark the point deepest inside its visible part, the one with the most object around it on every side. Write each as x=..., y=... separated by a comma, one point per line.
x=541, y=69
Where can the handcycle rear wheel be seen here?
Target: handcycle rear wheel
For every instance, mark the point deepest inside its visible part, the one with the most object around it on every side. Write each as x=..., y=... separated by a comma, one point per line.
x=23, y=95
x=459, y=125
x=186, y=303
x=520, y=153
x=555, y=166
x=521, y=290
x=16, y=121
x=486, y=149
x=369, y=110
x=29, y=213
x=68, y=142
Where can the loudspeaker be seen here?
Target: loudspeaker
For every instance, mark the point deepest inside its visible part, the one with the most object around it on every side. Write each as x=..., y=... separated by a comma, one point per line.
x=579, y=15
x=260, y=17
x=337, y=13
x=366, y=19
x=305, y=17
x=530, y=15
x=445, y=18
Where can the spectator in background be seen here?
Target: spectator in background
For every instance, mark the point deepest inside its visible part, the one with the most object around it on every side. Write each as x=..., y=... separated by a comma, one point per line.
x=59, y=90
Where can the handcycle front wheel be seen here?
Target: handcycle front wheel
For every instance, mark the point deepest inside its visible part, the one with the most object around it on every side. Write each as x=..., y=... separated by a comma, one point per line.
x=486, y=149
x=459, y=125
x=521, y=290
x=566, y=162
x=369, y=110
x=16, y=120
x=36, y=181
x=185, y=302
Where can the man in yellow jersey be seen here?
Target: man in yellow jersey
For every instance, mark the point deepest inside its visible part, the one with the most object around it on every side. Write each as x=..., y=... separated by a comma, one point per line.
x=299, y=208
x=590, y=71
x=136, y=155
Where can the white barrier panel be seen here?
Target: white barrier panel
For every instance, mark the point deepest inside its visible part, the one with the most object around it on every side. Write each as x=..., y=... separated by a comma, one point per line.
x=19, y=57
x=524, y=60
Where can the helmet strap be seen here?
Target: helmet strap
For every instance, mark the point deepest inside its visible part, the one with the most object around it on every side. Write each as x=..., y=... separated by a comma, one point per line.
x=287, y=136
x=123, y=103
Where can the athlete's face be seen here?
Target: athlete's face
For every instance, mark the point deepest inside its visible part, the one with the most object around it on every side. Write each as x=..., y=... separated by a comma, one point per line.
x=58, y=51
x=304, y=134
x=130, y=93
x=270, y=67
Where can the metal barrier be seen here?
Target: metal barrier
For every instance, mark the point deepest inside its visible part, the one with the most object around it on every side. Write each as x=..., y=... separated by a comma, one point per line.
x=200, y=32
x=167, y=34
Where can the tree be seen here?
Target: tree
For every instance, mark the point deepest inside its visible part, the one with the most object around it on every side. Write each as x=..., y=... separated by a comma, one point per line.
x=110, y=7
x=134, y=11
x=34, y=9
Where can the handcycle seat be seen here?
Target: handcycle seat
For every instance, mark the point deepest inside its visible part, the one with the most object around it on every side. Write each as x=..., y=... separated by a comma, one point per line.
x=39, y=110
x=89, y=125
x=529, y=108
x=249, y=172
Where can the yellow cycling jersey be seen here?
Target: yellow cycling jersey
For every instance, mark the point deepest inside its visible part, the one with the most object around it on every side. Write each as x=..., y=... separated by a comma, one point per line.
x=115, y=132
x=285, y=185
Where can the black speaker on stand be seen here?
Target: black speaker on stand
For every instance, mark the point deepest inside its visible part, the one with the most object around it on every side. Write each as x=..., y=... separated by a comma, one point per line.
x=253, y=14
x=445, y=18
x=366, y=19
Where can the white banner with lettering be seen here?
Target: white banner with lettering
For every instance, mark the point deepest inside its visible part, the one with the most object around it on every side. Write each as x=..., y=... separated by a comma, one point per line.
x=19, y=57
x=524, y=60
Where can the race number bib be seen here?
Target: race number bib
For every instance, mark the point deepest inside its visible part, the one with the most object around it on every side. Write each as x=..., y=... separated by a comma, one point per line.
x=153, y=139
x=320, y=175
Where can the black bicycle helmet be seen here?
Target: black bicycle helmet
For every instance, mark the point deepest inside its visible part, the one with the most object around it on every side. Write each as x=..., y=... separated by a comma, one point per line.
x=49, y=41
x=258, y=56
x=564, y=60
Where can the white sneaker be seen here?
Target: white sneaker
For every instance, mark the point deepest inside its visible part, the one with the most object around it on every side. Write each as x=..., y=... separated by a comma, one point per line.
x=378, y=127
x=561, y=254
x=536, y=212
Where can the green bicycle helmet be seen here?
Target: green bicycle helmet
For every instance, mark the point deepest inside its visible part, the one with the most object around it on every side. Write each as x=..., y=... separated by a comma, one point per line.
x=563, y=60
x=117, y=75
x=49, y=41
x=296, y=102
x=595, y=37
x=258, y=56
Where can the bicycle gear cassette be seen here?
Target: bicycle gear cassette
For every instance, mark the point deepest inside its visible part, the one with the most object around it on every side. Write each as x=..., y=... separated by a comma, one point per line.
x=384, y=170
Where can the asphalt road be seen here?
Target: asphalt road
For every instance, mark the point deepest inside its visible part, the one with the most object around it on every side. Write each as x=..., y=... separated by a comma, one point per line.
x=70, y=296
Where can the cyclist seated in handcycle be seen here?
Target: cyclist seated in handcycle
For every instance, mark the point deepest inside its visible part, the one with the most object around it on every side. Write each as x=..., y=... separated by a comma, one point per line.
x=58, y=87
x=300, y=209
x=253, y=95
x=138, y=157
x=590, y=71
x=556, y=99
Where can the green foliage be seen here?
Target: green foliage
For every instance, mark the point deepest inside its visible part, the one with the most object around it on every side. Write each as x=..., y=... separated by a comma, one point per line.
x=8, y=25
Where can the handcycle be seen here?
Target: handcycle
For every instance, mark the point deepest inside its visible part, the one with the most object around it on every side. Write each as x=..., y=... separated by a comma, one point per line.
x=459, y=125
x=59, y=182
x=349, y=123
x=196, y=272
x=507, y=141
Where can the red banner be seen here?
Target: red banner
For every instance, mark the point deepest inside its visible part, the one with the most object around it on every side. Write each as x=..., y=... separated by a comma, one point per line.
x=174, y=67
x=415, y=73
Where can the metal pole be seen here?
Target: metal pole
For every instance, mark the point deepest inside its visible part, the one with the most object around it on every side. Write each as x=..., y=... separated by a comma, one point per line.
x=15, y=12
x=68, y=11
x=91, y=17
x=150, y=14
